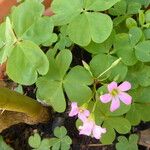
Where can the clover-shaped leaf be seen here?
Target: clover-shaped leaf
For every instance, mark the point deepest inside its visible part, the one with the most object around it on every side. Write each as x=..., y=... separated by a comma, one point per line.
x=35, y=140
x=139, y=110
x=22, y=31
x=76, y=85
x=120, y=124
x=60, y=132
x=25, y=62
x=37, y=143
x=62, y=141
x=77, y=14
x=50, y=86
x=125, y=144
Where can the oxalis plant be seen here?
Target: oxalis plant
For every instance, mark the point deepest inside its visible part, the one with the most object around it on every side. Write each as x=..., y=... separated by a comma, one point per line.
x=108, y=93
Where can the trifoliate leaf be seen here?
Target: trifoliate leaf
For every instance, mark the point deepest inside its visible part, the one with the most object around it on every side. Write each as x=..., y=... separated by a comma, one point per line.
x=76, y=85
x=25, y=62
x=50, y=86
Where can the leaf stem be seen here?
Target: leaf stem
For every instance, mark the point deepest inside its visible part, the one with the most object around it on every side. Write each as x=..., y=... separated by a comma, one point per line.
x=112, y=66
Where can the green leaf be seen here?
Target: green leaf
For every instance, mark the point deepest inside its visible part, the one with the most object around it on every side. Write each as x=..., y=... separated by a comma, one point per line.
x=119, y=72
x=101, y=5
x=25, y=62
x=40, y=32
x=100, y=63
x=142, y=51
x=63, y=141
x=140, y=108
x=76, y=85
x=133, y=73
x=109, y=136
x=141, y=17
x=65, y=11
x=147, y=16
x=77, y=31
x=133, y=115
x=50, y=86
x=35, y=140
x=119, y=8
x=98, y=28
x=124, y=49
x=3, y=145
x=25, y=15
x=130, y=23
x=60, y=132
x=143, y=76
x=124, y=144
x=2, y=34
x=7, y=41
x=135, y=34
x=120, y=124
x=141, y=94
x=96, y=48
x=45, y=144
x=147, y=33
x=133, y=8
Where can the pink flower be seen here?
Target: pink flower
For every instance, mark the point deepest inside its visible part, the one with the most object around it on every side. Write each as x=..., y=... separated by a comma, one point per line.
x=90, y=128
x=117, y=94
x=80, y=111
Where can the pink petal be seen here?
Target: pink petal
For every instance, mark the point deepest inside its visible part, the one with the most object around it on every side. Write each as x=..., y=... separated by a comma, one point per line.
x=82, y=116
x=74, y=109
x=105, y=98
x=115, y=104
x=86, y=113
x=125, y=86
x=87, y=127
x=125, y=98
x=112, y=86
x=98, y=131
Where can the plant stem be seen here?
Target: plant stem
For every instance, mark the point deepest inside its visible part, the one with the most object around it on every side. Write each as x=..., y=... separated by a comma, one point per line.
x=31, y=110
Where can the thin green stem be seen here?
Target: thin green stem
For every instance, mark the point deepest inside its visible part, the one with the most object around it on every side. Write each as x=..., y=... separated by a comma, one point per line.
x=112, y=66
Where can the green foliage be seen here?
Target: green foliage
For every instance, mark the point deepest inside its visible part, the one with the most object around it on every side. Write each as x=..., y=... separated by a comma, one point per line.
x=116, y=37
x=50, y=86
x=139, y=110
x=3, y=145
x=125, y=144
x=23, y=34
x=77, y=14
x=61, y=141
